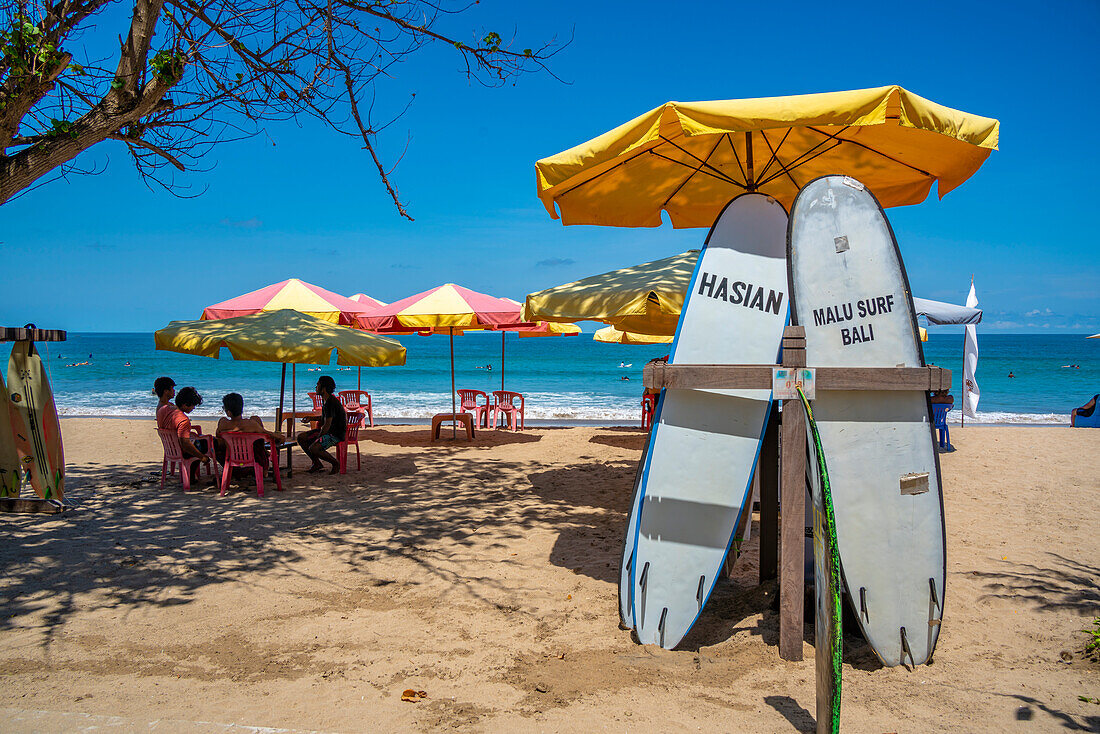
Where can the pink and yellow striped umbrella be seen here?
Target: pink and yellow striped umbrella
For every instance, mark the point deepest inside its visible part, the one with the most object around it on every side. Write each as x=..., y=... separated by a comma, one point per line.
x=445, y=309
x=294, y=294
x=441, y=309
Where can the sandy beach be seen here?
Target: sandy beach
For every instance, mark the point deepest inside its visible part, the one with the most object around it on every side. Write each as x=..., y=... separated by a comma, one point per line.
x=485, y=575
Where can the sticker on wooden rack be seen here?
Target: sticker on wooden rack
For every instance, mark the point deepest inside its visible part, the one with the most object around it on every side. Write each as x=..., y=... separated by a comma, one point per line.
x=915, y=483
x=786, y=381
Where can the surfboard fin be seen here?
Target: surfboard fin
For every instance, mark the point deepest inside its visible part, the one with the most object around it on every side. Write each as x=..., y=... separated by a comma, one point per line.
x=905, y=650
x=932, y=588
x=661, y=625
x=863, y=603
x=699, y=592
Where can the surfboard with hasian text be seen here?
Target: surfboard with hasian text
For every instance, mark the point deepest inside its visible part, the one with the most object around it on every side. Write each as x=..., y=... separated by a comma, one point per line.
x=850, y=292
x=704, y=444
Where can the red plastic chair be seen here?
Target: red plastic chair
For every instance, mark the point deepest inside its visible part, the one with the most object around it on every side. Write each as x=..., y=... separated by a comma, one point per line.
x=355, y=420
x=318, y=403
x=358, y=400
x=173, y=457
x=504, y=402
x=238, y=452
x=649, y=405
x=469, y=404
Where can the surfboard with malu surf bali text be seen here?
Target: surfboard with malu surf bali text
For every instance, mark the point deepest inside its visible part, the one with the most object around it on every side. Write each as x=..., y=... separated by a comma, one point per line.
x=850, y=292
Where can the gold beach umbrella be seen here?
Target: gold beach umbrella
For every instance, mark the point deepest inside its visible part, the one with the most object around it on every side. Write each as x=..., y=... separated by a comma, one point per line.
x=611, y=335
x=691, y=158
x=644, y=299
x=280, y=336
x=285, y=336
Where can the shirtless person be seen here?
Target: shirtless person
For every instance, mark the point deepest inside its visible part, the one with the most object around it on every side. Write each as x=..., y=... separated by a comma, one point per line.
x=333, y=430
x=233, y=405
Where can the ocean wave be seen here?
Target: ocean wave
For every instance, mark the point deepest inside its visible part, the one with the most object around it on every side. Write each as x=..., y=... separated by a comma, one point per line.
x=954, y=417
x=567, y=406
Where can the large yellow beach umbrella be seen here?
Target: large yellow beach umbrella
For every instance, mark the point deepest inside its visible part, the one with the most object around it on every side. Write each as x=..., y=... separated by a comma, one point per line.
x=611, y=335
x=690, y=159
x=643, y=299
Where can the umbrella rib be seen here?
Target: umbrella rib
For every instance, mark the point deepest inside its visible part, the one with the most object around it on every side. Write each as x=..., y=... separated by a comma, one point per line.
x=809, y=154
x=775, y=151
x=703, y=164
x=737, y=158
x=690, y=175
x=867, y=147
x=601, y=175
x=719, y=175
x=793, y=165
x=775, y=157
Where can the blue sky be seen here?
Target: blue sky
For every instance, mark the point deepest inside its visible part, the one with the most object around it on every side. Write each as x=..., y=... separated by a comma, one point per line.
x=105, y=253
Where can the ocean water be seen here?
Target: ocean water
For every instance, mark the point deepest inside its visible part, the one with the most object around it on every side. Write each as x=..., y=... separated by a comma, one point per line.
x=563, y=379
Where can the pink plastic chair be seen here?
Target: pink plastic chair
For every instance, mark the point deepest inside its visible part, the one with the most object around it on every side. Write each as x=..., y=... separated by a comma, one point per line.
x=504, y=402
x=649, y=405
x=238, y=452
x=173, y=457
x=355, y=420
x=358, y=400
x=469, y=404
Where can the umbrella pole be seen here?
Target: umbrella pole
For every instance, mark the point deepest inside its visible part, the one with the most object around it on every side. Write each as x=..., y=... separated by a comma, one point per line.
x=360, y=383
x=454, y=408
x=502, y=360
x=293, y=398
x=279, y=415
x=751, y=182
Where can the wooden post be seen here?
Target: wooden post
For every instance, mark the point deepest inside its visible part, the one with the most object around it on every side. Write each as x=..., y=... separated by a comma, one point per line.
x=768, y=469
x=793, y=510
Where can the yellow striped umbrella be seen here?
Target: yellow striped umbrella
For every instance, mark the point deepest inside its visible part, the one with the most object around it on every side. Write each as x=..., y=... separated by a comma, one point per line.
x=611, y=335
x=690, y=159
x=642, y=299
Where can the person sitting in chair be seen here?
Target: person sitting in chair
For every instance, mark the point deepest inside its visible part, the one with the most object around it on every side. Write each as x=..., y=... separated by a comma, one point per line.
x=187, y=400
x=1085, y=411
x=333, y=428
x=943, y=396
x=233, y=405
x=165, y=389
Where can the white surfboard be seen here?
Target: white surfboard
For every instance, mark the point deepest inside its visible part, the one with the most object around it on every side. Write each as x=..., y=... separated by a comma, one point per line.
x=850, y=292
x=704, y=444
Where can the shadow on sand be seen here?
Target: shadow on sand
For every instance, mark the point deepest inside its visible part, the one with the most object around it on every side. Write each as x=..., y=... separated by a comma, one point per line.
x=1064, y=584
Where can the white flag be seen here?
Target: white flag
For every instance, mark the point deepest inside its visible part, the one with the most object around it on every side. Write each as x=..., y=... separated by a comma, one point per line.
x=971, y=393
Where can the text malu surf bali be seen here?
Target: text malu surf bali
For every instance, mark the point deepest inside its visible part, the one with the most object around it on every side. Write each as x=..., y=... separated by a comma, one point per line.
x=862, y=309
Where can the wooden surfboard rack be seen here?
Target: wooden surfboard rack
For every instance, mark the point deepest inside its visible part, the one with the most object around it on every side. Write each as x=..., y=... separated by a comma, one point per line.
x=782, y=460
x=31, y=334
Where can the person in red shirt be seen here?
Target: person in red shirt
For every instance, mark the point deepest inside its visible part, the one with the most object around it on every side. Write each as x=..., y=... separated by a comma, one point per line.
x=187, y=400
x=165, y=389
